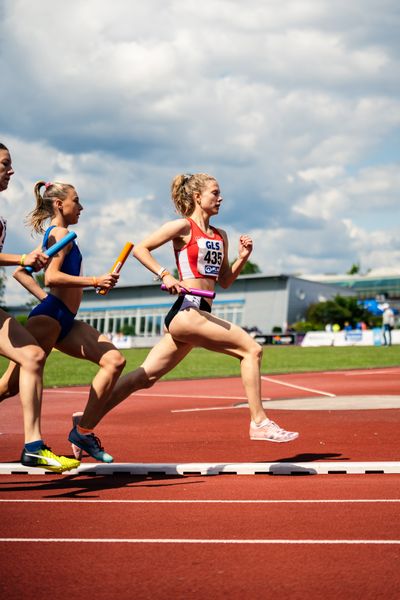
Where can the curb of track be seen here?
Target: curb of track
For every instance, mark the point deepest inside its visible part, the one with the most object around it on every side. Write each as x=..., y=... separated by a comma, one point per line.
x=165, y=469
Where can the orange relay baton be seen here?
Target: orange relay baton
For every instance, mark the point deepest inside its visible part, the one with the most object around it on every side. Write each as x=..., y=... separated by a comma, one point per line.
x=119, y=263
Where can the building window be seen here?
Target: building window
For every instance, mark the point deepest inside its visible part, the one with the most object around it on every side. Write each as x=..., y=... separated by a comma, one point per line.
x=148, y=322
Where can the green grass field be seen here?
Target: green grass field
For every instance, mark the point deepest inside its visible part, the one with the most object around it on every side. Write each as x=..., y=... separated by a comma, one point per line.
x=61, y=370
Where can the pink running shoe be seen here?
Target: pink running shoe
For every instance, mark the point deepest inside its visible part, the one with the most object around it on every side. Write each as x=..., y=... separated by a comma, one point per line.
x=77, y=452
x=271, y=432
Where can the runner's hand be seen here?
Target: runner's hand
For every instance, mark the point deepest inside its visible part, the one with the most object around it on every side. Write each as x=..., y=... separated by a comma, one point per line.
x=245, y=246
x=36, y=259
x=108, y=280
x=172, y=284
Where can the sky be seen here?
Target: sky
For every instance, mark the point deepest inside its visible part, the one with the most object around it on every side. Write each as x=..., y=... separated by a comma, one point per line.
x=292, y=105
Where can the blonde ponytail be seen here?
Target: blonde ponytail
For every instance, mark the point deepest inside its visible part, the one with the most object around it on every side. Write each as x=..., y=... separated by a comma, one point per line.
x=182, y=189
x=44, y=209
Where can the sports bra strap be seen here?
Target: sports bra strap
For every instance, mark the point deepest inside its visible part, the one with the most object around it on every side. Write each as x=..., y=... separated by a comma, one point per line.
x=46, y=236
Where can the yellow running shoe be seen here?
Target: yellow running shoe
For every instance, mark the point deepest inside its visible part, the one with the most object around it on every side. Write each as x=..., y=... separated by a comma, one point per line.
x=44, y=458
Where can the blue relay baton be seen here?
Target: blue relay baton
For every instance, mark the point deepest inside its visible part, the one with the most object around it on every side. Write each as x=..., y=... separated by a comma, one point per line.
x=56, y=247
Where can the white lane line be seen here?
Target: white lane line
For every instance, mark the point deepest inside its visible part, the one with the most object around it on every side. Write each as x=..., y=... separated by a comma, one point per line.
x=184, y=410
x=297, y=387
x=64, y=391
x=207, y=397
x=197, y=541
x=371, y=372
x=160, y=395
x=314, y=501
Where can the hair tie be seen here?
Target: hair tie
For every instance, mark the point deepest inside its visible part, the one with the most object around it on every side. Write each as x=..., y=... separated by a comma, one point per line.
x=47, y=184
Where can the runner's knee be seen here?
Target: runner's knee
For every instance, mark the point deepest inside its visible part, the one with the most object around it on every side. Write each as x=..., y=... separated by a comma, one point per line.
x=256, y=351
x=113, y=361
x=33, y=359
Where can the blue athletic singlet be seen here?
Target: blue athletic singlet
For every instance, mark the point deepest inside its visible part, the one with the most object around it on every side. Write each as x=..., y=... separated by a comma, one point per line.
x=73, y=261
x=52, y=306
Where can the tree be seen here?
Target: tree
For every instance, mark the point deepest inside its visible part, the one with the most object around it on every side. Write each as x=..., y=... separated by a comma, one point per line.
x=249, y=268
x=354, y=269
x=340, y=310
x=128, y=330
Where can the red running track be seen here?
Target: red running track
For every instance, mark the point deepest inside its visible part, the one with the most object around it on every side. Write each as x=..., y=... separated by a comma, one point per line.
x=208, y=537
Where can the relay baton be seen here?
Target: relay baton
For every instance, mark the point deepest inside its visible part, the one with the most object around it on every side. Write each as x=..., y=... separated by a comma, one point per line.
x=56, y=247
x=117, y=266
x=193, y=292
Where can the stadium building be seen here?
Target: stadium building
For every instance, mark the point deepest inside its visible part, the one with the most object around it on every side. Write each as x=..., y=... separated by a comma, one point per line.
x=375, y=287
x=253, y=301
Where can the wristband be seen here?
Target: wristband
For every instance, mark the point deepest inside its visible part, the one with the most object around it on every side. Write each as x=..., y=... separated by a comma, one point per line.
x=22, y=261
x=161, y=273
x=95, y=282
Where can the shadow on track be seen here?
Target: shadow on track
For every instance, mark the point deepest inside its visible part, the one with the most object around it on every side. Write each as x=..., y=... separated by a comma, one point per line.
x=311, y=456
x=80, y=486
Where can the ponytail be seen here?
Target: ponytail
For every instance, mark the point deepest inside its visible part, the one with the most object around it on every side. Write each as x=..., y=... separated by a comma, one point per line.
x=44, y=209
x=182, y=189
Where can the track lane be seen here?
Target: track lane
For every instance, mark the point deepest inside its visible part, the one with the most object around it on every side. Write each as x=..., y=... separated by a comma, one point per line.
x=187, y=571
x=144, y=430
x=204, y=521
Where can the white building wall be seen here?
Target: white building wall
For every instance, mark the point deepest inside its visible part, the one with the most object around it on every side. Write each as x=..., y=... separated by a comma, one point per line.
x=252, y=301
x=265, y=301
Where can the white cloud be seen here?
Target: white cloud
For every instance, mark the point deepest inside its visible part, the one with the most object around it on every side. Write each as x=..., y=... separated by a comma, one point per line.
x=293, y=106
x=372, y=190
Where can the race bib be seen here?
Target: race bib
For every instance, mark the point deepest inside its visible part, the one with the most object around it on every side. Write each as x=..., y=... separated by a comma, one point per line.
x=210, y=257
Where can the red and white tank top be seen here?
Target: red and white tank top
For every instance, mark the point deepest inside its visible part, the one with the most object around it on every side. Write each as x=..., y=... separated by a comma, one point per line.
x=202, y=256
x=3, y=230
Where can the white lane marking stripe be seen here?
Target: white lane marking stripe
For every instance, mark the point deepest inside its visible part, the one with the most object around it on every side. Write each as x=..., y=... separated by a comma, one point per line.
x=339, y=373
x=314, y=501
x=154, y=395
x=195, y=541
x=297, y=387
x=184, y=410
x=149, y=395
x=371, y=372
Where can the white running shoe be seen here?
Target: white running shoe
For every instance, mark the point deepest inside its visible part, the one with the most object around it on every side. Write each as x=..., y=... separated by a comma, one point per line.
x=269, y=431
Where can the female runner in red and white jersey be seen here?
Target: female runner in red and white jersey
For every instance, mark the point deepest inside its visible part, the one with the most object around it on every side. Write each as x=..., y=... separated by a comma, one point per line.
x=201, y=253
